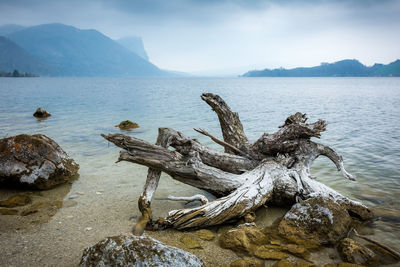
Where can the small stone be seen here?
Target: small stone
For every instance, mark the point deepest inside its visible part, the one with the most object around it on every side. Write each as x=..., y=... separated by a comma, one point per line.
x=283, y=263
x=80, y=193
x=41, y=113
x=72, y=196
x=353, y=252
x=16, y=201
x=205, y=234
x=275, y=242
x=250, y=217
x=247, y=262
x=301, y=263
x=127, y=125
x=190, y=242
x=297, y=250
x=270, y=254
x=88, y=228
x=346, y=264
x=8, y=211
x=99, y=193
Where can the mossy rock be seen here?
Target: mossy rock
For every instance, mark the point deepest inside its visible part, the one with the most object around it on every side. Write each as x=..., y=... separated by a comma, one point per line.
x=127, y=125
x=247, y=262
x=190, y=242
x=16, y=201
x=34, y=162
x=244, y=239
x=8, y=211
x=133, y=250
x=283, y=263
x=353, y=252
x=205, y=234
x=346, y=264
x=270, y=253
x=50, y=208
x=315, y=221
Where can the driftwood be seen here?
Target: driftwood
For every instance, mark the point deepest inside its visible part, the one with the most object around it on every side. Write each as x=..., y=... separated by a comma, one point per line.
x=275, y=169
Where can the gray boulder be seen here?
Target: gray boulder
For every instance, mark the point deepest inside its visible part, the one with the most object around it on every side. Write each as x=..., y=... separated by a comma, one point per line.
x=34, y=161
x=131, y=250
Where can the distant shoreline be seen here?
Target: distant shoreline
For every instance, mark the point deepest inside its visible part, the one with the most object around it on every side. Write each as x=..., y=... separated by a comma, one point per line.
x=343, y=68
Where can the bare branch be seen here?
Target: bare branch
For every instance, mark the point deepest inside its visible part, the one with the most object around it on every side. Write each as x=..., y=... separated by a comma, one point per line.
x=231, y=126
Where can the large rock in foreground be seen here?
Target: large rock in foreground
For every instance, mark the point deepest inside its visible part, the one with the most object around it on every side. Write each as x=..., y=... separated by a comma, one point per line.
x=136, y=251
x=316, y=221
x=34, y=161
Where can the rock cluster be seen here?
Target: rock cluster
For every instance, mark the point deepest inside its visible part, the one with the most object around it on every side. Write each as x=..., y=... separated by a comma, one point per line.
x=34, y=161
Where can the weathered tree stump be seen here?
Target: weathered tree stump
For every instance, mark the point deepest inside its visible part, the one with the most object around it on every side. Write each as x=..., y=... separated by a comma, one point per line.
x=275, y=169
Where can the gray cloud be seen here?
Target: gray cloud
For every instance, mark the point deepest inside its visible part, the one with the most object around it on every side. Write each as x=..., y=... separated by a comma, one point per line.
x=232, y=35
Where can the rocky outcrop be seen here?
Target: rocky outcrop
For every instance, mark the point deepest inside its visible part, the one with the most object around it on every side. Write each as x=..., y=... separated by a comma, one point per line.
x=245, y=238
x=315, y=221
x=353, y=252
x=127, y=125
x=136, y=251
x=34, y=161
x=41, y=113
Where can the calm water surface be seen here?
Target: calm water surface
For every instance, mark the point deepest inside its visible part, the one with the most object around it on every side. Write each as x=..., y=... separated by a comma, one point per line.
x=363, y=116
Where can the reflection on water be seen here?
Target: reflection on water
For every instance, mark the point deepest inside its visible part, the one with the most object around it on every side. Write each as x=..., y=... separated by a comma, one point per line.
x=362, y=115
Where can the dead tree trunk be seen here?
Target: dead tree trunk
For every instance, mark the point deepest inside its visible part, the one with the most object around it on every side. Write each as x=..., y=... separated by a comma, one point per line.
x=273, y=169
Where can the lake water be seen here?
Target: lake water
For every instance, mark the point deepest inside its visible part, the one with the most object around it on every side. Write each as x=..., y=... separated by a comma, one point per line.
x=363, y=116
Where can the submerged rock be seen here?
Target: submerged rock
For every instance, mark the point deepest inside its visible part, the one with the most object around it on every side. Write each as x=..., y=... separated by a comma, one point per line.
x=136, y=251
x=16, y=201
x=245, y=238
x=205, y=234
x=127, y=125
x=270, y=254
x=353, y=252
x=315, y=221
x=8, y=211
x=41, y=113
x=190, y=242
x=34, y=161
x=284, y=263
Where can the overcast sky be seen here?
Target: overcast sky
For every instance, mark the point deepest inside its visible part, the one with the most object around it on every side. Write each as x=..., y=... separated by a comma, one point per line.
x=232, y=36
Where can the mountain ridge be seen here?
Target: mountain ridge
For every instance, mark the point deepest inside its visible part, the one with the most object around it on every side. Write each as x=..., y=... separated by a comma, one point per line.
x=70, y=51
x=342, y=68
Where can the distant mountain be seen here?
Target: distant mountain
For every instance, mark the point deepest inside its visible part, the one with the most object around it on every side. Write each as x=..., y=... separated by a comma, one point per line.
x=9, y=28
x=13, y=57
x=134, y=44
x=74, y=52
x=344, y=68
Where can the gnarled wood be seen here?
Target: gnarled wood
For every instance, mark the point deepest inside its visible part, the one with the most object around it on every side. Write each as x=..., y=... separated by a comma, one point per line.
x=274, y=169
